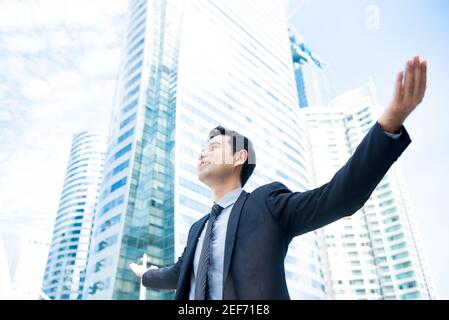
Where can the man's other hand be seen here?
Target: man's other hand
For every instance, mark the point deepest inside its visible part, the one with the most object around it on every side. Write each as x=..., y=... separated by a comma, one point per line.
x=139, y=270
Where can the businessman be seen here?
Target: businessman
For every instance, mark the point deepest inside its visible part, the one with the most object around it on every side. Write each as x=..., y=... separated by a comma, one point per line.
x=237, y=250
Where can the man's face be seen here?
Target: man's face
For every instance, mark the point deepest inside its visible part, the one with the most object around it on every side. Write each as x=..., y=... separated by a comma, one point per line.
x=216, y=161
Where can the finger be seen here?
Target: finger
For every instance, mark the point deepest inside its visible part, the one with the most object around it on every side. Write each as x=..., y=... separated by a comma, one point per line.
x=399, y=86
x=408, y=85
x=417, y=78
x=134, y=267
x=423, y=78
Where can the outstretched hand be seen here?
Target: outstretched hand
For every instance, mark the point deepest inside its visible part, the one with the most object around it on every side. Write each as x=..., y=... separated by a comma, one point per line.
x=409, y=92
x=138, y=269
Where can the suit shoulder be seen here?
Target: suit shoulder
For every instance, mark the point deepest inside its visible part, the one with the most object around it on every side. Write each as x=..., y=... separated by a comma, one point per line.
x=271, y=188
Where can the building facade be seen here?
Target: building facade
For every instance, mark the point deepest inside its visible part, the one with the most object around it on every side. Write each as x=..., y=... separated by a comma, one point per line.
x=66, y=264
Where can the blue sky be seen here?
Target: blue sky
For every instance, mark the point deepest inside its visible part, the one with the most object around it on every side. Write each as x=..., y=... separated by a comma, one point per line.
x=341, y=33
x=59, y=60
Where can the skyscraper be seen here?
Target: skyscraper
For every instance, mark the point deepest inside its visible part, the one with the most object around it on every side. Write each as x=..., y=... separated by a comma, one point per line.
x=375, y=253
x=311, y=73
x=187, y=67
x=66, y=264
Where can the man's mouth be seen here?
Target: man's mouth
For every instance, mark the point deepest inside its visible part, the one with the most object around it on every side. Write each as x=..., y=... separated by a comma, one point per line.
x=203, y=164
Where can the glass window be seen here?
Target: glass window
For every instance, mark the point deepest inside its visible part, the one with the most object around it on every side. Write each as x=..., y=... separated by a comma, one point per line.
x=403, y=265
x=408, y=285
x=396, y=237
x=125, y=135
x=400, y=255
x=136, y=45
x=129, y=106
x=132, y=92
x=122, y=151
x=405, y=275
x=106, y=243
x=118, y=184
x=193, y=204
x=112, y=204
x=134, y=57
x=133, y=80
x=195, y=187
x=128, y=120
x=413, y=295
x=122, y=166
x=108, y=223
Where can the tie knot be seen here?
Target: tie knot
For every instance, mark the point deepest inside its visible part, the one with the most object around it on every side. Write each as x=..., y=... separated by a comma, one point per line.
x=216, y=210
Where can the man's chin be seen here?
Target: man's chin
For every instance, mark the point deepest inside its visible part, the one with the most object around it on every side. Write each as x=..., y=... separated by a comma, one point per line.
x=201, y=177
x=204, y=176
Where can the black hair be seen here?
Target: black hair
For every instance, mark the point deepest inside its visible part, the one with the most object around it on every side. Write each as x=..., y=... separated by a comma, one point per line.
x=238, y=142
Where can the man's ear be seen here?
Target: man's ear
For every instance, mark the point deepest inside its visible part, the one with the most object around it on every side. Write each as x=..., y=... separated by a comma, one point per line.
x=241, y=157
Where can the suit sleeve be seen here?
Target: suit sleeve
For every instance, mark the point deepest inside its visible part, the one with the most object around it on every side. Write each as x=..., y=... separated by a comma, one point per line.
x=348, y=190
x=163, y=278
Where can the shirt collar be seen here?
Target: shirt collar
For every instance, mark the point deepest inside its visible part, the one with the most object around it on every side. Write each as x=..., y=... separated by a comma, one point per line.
x=229, y=198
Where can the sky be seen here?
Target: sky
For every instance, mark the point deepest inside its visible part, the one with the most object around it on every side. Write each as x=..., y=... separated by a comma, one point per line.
x=59, y=62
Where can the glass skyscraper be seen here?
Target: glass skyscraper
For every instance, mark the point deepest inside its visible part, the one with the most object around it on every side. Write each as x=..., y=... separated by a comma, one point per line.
x=66, y=264
x=187, y=67
x=311, y=73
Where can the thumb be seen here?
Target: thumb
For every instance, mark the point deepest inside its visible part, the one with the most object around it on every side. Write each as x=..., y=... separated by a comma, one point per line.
x=136, y=269
x=399, y=87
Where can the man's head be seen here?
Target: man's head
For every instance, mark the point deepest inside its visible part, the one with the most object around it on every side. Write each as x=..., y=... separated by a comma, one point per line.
x=227, y=155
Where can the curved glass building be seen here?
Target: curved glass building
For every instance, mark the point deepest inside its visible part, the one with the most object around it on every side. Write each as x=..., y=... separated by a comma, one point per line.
x=66, y=263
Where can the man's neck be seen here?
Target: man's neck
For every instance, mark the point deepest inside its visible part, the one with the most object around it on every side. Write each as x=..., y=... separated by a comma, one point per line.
x=220, y=191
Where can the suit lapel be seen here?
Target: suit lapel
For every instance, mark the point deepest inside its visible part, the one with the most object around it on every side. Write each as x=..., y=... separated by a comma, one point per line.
x=187, y=262
x=231, y=231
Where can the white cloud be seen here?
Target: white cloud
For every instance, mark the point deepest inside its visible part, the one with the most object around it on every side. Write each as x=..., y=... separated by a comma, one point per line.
x=59, y=61
x=32, y=15
x=24, y=43
x=100, y=62
x=5, y=115
x=34, y=88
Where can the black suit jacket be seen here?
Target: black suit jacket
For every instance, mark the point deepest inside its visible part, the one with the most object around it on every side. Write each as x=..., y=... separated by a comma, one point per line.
x=262, y=223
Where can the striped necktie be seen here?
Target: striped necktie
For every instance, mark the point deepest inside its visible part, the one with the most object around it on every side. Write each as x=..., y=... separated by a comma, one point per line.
x=201, y=281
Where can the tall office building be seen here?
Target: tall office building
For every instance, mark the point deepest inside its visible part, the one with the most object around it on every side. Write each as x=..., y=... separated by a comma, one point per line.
x=375, y=253
x=311, y=73
x=66, y=264
x=189, y=66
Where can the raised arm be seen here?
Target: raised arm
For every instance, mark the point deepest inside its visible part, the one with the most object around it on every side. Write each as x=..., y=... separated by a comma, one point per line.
x=352, y=185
